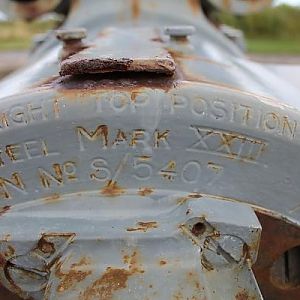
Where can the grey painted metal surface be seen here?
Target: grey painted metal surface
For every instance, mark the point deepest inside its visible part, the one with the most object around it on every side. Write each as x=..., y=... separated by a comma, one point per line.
x=178, y=246
x=85, y=158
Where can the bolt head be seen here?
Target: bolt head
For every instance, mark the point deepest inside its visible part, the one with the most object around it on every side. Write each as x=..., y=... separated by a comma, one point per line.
x=179, y=31
x=71, y=34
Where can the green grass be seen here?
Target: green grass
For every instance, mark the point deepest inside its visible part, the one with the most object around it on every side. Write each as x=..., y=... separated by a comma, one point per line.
x=274, y=46
x=18, y=35
x=15, y=44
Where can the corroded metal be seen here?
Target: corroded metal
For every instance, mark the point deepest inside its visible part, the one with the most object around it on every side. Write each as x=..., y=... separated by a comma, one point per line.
x=72, y=41
x=109, y=54
x=104, y=256
x=146, y=170
x=277, y=268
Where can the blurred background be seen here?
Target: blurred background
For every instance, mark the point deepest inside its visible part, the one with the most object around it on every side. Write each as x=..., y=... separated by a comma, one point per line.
x=271, y=37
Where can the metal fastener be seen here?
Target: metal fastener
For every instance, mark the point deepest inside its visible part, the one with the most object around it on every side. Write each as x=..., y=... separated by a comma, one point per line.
x=72, y=41
x=179, y=32
x=67, y=35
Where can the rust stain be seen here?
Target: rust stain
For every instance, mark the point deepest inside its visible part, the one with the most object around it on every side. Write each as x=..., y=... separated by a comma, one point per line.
x=145, y=157
x=179, y=55
x=193, y=280
x=144, y=226
x=10, y=251
x=170, y=170
x=278, y=236
x=244, y=295
x=228, y=138
x=4, y=209
x=162, y=262
x=71, y=87
x=146, y=191
x=77, y=273
x=6, y=238
x=213, y=166
x=198, y=229
x=206, y=264
x=183, y=199
x=113, y=279
x=104, y=288
x=178, y=296
x=195, y=6
x=135, y=9
x=45, y=246
x=195, y=195
x=52, y=198
x=111, y=189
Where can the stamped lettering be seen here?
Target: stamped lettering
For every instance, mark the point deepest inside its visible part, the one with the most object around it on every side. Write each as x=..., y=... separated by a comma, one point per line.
x=228, y=144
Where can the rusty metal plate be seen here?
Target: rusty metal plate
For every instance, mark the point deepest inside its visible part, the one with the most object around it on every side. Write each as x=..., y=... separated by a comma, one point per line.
x=121, y=50
x=278, y=264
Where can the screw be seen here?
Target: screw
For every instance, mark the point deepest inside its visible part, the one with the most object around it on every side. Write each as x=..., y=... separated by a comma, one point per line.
x=179, y=32
x=224, y=251
x=28, y=272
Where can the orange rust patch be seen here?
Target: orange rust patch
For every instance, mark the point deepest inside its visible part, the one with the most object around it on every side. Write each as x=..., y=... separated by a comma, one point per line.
x=77, y=273
x=112, y=189
x=194, y=279
x=195, y=6
x=135, y=9
x=72, y=87
x=183, y=199
x=244, y=295
x=4, y=209
x=206, y=264
x=104, y=288
x=144, y=226
x=52, y=198
x=144, y=157
x=178, y=296
x=112, y=280
x=162, y=262
x=146, y=191
x=228, y=139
